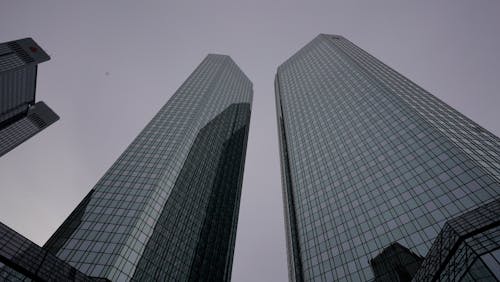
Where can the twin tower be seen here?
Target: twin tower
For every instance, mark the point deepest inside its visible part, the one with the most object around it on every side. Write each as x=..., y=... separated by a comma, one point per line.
x=373, y=168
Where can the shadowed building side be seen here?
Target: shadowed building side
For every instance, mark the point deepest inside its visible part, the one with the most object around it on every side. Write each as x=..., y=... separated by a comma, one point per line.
x=196, y=223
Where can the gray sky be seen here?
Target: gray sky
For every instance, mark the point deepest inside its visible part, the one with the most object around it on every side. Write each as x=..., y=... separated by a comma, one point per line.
x=115, y=63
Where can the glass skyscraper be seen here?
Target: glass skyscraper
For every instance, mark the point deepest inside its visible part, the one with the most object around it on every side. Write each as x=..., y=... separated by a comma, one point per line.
x=371, y=162
x=167, y=209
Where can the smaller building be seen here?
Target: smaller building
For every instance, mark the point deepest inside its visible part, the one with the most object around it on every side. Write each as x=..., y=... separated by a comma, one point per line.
x=23, y=260
x=466, y=249
x=20, y=116
x=395, y=263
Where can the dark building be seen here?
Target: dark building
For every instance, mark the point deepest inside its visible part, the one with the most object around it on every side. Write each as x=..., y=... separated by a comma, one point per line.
x=23, y=260
x=395, y=263
x=167, y=209
x=20, y=116
x=466, y=249
x=371, y=160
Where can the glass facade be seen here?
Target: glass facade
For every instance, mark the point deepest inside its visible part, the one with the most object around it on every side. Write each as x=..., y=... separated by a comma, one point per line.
x=466, y=249
x=23, y=260
x=20, y=117
x=370, y=159
x=167, y=209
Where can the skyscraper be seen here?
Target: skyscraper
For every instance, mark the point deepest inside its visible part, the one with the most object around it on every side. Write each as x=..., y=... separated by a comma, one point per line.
x=20, y=116
x=167, y=209
x=370, y=160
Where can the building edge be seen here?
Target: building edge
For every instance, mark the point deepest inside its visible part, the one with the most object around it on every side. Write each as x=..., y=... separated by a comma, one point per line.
x=292, y=244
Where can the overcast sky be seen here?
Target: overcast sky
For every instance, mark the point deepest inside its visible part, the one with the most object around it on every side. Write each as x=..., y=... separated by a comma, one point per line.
x=115, y=63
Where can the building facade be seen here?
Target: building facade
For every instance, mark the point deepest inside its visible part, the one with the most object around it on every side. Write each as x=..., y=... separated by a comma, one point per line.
x=167, y=209
x=23, y=260
x=370, y=159
x=20, y=116
x=466, y=249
